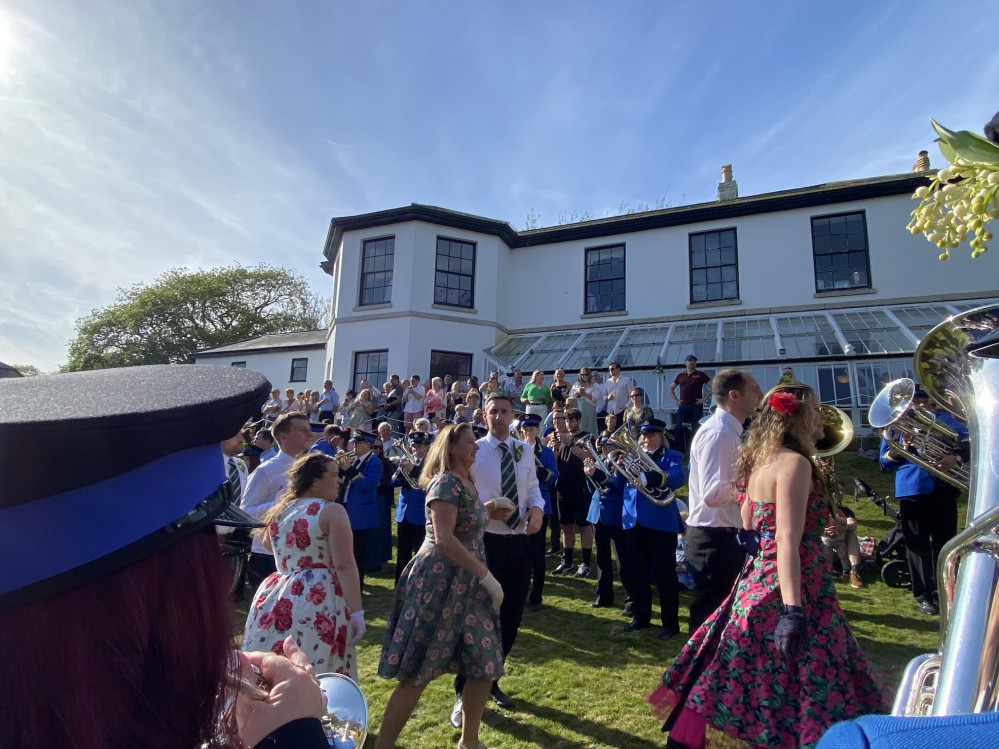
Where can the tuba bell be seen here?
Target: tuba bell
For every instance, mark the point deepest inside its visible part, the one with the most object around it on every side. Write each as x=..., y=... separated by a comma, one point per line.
x=633, y=462
x=957, y=364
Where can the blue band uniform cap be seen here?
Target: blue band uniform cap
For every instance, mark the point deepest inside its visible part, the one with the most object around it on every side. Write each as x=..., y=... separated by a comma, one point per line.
x=690, y=357
x=360, y=434
x=420, y=438
x=531, y=420
x=653, y=425
x=146, y=469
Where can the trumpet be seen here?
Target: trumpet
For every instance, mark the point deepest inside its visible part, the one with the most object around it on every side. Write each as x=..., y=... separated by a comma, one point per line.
x=345, y=459
x=633, y=462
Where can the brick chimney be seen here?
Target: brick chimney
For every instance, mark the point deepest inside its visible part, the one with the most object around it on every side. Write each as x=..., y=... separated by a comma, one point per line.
x=728, y=188
x=922, y=162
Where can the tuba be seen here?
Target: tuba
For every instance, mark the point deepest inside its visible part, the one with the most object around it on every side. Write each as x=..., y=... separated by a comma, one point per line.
x=931, y=439
x=956, y=363
x=633, y=462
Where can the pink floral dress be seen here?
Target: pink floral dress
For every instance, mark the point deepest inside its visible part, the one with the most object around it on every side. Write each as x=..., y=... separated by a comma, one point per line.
x=303, y=598
x=442, y=619
x=731, y=674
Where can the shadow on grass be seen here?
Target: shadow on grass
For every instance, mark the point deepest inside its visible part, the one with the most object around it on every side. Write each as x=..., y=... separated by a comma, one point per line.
x=603, y=735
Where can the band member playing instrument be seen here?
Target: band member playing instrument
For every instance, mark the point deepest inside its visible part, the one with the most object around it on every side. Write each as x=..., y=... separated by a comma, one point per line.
x=605, y=514
x=650, y=536
x=547, y=470
x=360, y=495
x=713, y=554
x=928, y=508
x=573, y=495
x=410, y=514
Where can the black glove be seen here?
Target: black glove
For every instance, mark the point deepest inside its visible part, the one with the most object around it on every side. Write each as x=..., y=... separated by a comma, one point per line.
x=544, y=474
x=790, y=630
x=749, y=541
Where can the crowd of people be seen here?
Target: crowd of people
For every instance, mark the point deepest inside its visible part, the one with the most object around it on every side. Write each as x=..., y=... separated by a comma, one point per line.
x=481, y=503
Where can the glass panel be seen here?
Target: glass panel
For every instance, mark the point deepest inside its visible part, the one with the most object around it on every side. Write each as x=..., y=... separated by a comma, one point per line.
x=549, y=351
x=697, y=338
x=921, y=320
x=594, y=349
x=807, y=336
x=872, y=332
x=745, y=340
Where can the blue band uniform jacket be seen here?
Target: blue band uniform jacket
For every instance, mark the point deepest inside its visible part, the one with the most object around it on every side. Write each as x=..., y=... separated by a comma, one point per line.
x=361, y=496
x=638, y=510
x=412, y=502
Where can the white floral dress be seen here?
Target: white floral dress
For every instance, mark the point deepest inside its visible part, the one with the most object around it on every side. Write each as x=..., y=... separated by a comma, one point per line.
x=303, y=598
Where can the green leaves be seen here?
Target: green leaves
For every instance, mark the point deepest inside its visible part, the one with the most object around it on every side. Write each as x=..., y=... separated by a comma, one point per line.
x=965, y=146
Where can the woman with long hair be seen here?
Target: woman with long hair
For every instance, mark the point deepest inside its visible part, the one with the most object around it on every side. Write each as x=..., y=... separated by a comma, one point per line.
x=536, y=397
x=776, y=664
x=587, y=393
x=363, y=408
x=444, y=618
x=315, y=596
x=433, y=403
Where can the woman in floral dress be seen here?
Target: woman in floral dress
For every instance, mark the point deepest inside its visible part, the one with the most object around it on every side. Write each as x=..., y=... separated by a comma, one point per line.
x=315, y=596
x=776, y=664
x=444, y=618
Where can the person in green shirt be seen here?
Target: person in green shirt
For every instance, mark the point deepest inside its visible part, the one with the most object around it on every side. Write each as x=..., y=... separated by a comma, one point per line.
x=536, y=397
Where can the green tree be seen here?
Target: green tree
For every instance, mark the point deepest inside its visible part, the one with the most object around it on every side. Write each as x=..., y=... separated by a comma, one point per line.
x=183, y=310
x=28, y=370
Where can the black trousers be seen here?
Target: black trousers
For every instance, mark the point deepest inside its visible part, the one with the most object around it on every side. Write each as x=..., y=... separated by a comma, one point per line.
x=714, y=559
x=928, y=522
x=258, y=567
x=605, y=536
x=361, y=552
x=409, y=537
x=652, y=560
x=555, y=526
x=509, y=559
x=537, y=545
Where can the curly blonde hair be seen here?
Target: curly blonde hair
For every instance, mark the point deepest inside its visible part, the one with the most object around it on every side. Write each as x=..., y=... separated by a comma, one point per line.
x=771, y=430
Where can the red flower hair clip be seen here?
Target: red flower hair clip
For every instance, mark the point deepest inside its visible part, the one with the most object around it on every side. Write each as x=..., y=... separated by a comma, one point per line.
x=784, y=403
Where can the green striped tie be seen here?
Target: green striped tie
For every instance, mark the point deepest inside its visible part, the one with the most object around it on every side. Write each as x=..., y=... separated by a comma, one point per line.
x=508, y=483
x=237, y=489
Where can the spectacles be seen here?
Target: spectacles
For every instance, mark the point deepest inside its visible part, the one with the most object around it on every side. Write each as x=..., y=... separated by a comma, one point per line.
x=636, y=395
x=572, y=418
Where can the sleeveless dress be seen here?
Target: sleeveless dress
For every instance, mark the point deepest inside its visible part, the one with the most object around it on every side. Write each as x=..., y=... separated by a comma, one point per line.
x=442, y=619
x=303, y=598
x=731, y=674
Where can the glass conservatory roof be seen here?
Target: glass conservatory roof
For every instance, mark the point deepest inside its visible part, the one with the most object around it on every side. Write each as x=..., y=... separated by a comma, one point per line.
x=887, y=330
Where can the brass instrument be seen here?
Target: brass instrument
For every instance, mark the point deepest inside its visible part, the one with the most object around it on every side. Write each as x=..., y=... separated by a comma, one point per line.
x=408, y=477
x=837, y=436
x=589, y=444
x=345, y=459
x=633, y=462
x=956, y=363
x=930, y=439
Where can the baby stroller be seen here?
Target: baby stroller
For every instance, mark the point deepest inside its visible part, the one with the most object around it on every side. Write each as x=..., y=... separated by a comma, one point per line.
x=890, y=551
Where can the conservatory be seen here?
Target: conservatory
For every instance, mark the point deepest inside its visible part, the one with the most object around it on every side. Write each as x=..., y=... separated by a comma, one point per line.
x=846, y=354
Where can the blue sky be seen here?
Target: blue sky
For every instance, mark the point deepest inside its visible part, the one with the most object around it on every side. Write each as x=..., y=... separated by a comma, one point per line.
x=140, y=136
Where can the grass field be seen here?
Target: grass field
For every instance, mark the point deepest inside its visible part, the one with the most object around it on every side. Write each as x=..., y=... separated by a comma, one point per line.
x=579, y=681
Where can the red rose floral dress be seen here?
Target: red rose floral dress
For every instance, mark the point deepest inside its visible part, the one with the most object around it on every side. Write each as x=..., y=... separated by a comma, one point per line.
x=442, y=619
x=303, y=598
x=731, y=674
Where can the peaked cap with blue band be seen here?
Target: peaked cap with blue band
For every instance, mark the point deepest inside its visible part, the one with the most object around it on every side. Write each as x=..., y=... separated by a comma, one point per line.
x=144, y=471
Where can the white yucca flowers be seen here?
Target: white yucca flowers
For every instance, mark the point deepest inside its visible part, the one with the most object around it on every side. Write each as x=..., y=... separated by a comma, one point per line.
x=961, y=199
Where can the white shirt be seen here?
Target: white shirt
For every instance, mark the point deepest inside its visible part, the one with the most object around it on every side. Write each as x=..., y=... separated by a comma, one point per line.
x=414, y=400
x=264, y=487
x=270, y=403
x=329, y=400
x=487, y=477
x=713, y=453
x=622, y=393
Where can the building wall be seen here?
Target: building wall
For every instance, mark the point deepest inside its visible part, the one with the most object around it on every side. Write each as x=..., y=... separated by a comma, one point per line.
x=276, y=366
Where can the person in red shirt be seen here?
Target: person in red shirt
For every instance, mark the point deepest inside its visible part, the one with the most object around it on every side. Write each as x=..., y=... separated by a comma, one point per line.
x=694, y=388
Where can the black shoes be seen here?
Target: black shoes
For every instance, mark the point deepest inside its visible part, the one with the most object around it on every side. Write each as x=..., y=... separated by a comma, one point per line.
x=535, y=607
x=929, y=608
x=665, y=633
x=501, y=698
x=598, y=604
x=634, y=625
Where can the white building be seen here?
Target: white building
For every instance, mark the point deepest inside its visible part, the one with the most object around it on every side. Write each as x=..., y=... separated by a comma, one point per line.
x=825, y=279
x=288, y=360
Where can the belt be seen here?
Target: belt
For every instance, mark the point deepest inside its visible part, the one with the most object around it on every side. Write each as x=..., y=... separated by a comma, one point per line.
x=535, y=403
x=690, y=403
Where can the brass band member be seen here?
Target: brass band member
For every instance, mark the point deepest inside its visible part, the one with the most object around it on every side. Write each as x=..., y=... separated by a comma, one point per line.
x=411, y=514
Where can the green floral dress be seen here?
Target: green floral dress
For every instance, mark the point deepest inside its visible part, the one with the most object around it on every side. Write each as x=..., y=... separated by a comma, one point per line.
x=442, y=619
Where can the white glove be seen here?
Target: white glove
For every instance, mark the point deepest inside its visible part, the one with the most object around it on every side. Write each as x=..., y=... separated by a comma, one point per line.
x=504, y=503
x=357, y=626
x=493, y=588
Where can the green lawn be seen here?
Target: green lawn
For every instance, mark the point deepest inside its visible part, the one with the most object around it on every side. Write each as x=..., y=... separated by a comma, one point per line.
x=579, y=681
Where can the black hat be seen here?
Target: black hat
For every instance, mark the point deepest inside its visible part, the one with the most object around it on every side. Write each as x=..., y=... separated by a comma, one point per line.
x=360, y=434
x=479, y=431
x=145, y=471
x=251, y=451
x=420, y=438
x=530, y=420
x=653, y=425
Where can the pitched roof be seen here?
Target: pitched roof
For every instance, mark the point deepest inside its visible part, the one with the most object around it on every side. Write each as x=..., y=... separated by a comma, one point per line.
x=8, y=371
x=301, y=339
x=783, y=200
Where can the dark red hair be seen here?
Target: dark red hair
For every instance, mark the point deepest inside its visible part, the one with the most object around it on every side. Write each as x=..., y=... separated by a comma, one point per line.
x=137, y=658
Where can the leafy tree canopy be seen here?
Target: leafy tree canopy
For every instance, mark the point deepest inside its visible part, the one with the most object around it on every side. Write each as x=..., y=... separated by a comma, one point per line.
x=183, y=310
x=28, y=370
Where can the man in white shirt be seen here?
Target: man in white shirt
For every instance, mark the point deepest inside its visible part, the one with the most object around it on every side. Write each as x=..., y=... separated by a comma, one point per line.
x=272, y=407
x=505, y=467
x=617, y=392
x=714, y=557
x=294, y=437
x=412, y=403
